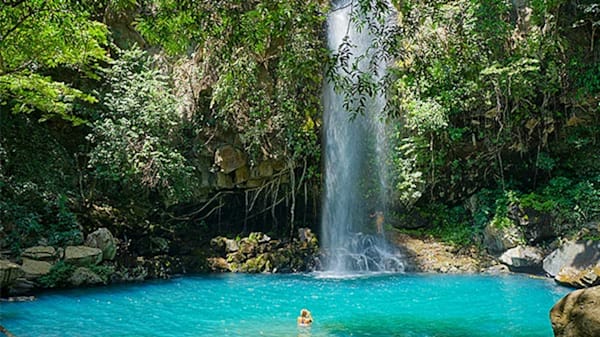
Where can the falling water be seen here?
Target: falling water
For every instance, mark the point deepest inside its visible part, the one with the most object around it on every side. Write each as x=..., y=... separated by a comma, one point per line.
x=355, y=164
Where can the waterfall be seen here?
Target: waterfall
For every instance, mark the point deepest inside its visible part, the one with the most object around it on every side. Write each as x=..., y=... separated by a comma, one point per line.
x=356, y=182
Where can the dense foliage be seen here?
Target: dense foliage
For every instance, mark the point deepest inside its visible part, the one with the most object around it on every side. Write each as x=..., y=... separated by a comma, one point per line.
x=111, y=113
x=499, y=96
x=92, y=134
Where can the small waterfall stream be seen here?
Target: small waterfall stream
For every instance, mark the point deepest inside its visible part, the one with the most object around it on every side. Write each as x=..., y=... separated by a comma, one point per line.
x=356, y=182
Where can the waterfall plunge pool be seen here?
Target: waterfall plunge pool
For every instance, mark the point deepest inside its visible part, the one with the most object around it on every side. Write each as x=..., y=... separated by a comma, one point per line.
x=414, y=305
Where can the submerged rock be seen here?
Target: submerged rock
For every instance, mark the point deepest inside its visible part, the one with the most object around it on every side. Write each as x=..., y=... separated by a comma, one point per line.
x=577, y=314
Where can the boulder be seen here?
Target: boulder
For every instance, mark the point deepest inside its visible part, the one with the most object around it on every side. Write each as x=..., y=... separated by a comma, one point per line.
x=9, y=272
x=575, y=254
x=259, y=237
x=103, y=239
x=82, y=255
x=577, y=314
x=523, y=259
x=248, y=247
x=577, y=278
x=497, y=269
x=40, y=253
x=218, y=264
x=84, y=276
x=229, y=158
x=305, y=235
x=34, y=269
x=231, y=246
x=499, y=239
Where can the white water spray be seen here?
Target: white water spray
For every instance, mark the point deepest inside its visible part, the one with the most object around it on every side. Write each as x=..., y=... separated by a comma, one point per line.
x=356, y=182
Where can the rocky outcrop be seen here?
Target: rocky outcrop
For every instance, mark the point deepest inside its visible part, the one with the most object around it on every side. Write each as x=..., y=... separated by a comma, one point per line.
x=498, y=239
x=577, y=278
x=34, y=269
x=103, y=239
x=9, y=273
x=228, y=158
x=82, y=255
x=259, y=253
x=574, y=254
x=577, y=314
x=40, y=253
x=525, y=259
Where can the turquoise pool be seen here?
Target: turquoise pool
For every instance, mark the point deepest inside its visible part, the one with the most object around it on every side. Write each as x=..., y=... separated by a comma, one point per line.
x=267, y=305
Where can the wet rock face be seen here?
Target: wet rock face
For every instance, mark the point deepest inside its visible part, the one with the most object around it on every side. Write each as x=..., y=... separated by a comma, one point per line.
x=577, y=314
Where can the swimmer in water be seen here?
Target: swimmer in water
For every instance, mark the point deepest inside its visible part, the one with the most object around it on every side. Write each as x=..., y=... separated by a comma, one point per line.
x=305, y=318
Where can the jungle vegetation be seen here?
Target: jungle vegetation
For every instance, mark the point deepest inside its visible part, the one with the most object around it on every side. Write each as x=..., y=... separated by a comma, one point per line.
x=111, y=110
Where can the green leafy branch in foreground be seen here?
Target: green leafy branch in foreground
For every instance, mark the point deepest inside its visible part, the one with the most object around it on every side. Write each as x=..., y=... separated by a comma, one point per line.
x=37, y=37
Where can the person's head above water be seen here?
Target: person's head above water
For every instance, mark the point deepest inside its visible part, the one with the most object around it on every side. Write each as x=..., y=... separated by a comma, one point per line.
x=305, y=317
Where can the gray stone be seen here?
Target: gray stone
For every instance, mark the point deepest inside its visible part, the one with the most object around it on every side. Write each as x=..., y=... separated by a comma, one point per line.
x=499, y=239
x=523, y=259
x=40, y=253
x=305, y=234
x=103, y=239
x=577, y=314
x=497, y=269
x=231, y=246
x=83, y=255
x=84, y=276
x=9, y=272
x=34, y=269
x=575, y=254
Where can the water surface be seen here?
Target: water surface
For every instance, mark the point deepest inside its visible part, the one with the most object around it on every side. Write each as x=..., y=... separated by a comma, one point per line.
x=267, y=305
